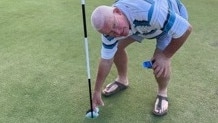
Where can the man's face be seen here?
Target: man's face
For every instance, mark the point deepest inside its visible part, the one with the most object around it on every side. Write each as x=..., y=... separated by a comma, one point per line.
x=116, y=26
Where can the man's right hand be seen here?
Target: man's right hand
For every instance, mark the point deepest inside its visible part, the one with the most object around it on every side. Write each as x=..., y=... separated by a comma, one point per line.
x=97, y=100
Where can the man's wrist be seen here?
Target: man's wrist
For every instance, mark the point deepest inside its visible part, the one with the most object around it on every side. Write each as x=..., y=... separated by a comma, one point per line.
x=166, y=54
x=97, y=90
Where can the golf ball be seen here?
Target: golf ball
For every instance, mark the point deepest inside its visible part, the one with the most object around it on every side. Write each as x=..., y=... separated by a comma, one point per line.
x=93, y=114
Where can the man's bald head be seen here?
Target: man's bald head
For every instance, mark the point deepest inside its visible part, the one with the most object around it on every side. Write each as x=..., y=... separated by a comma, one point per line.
x=100, y=15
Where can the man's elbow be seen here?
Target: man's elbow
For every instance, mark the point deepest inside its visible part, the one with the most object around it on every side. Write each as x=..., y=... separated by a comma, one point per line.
x=189, y=30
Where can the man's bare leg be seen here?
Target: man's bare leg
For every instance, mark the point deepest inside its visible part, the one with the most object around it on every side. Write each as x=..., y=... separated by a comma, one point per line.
x=121, y=63
x=161, y=91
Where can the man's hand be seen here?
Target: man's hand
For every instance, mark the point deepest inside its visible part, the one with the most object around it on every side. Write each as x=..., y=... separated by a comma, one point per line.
x=97, y=100
x=161, y=66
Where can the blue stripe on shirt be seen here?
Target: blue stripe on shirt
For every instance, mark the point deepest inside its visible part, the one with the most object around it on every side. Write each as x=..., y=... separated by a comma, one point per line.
x=112, y=41
x=150, y=10
x=111, y=46
x=171, y=17
x=109, y=38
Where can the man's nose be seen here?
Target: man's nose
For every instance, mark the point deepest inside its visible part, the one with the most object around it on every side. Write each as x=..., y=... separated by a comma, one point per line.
x=117, y=32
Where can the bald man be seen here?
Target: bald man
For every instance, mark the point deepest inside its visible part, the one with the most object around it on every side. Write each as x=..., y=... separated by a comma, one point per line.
x=128, y=21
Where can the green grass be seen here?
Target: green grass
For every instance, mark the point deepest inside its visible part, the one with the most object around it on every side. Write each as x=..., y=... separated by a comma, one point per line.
x=43, y=72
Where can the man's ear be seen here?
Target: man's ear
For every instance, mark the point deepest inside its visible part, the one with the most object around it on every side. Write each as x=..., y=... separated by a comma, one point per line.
x=116, y=10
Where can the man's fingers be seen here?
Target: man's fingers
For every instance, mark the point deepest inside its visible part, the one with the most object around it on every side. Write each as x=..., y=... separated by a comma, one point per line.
x=102, y=103
x=158, y=71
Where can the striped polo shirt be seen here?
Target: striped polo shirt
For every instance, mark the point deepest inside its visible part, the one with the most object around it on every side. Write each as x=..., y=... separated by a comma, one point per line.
x=149, y=19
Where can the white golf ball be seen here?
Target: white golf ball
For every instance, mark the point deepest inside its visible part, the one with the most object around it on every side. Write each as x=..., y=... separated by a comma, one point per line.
x=94, y=113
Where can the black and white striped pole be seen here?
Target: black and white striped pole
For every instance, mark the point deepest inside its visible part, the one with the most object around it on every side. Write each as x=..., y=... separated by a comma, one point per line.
x=90, y=113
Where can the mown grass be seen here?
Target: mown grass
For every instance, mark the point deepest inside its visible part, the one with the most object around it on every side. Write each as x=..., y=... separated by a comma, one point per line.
x=43, y=71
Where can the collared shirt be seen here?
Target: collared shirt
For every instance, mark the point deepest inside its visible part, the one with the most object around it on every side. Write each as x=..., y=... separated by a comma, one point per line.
x=149, y=19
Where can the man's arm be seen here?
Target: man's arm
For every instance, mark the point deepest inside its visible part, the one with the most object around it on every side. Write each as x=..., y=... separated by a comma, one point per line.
x=175, y=44
x=162, y=58
x=103, y=70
